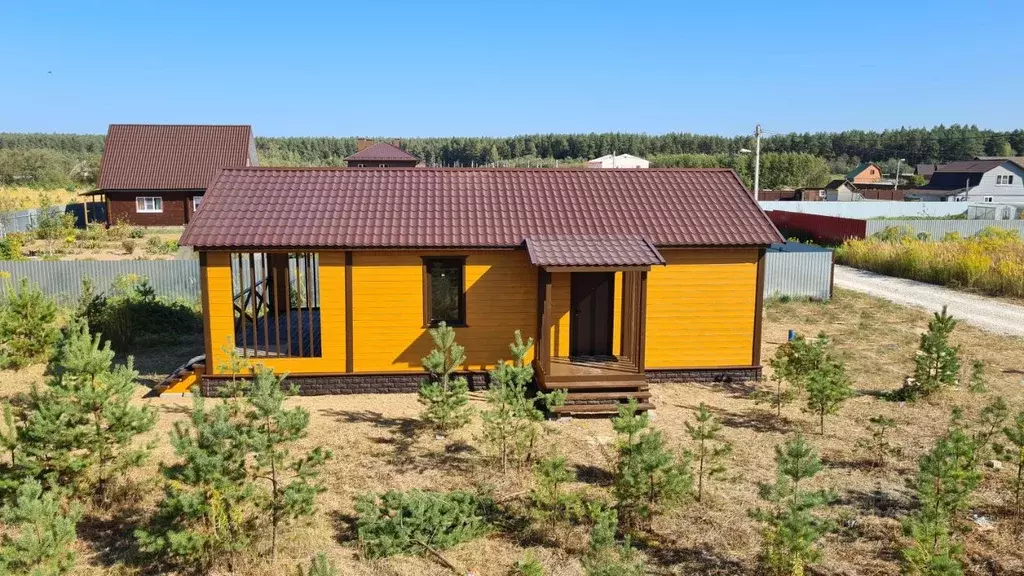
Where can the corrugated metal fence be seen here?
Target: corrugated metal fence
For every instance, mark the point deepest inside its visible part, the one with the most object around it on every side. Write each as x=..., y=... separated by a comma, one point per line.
x=798, y=271
x=21, y=221
x=939, y=228
x=870, y=208
x=792, y=270
x=63, y=280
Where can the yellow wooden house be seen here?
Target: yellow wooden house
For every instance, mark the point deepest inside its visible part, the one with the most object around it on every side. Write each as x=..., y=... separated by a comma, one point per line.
x=621, y=277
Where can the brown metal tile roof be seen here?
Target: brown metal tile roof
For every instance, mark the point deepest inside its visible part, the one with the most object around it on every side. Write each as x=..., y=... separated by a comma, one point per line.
x=593, y=251
x=381, y=151
x=171, y=157
x=256, y=208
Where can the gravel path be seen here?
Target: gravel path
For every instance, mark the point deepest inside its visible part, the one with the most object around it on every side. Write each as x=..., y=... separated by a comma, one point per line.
x=985, y=313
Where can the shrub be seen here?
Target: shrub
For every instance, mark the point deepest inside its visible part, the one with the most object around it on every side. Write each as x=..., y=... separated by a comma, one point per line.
x=156, y=245
x=320, y=565
x=790, y=529
x=136, y=232
x=648, y=477
x=446, y=396
x=39, y=535
x=128, y=245
x=512, y=422
x=405, y=522
x=28, y=325
x=12, y=247
x=52, y=225
x=527, y=566
x=133, y=316
x=120, y=231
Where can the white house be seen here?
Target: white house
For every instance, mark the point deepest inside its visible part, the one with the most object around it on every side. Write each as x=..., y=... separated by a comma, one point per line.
x=620, y=161
x=999, y=181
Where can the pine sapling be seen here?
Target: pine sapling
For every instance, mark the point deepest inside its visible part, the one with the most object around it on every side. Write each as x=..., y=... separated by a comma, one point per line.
x=790, y=528
x=320, y=565
x=878, y=447
x=946, y=478
x=648, y=477
x=446, y=396
x=292, y=481
x=512, y=422
x=937, y=363
x=28, y=325
x=990, y=423
x=1014, y=452
x=40, y=533
x=551, y=504
x=827, y=387
x=778, y=397
x=978, y=381
x=710, y=448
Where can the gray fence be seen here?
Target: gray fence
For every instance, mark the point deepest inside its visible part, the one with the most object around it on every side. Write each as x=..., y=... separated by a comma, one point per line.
x=790, y=270
x=798, y=271
x=21, y=221
x=63, y=280
x=939, y=228
x=869, y=208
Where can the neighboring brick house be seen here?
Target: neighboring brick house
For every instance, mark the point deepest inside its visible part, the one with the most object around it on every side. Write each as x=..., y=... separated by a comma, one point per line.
x=370, y=154
x=999, y=181
x=156, y=174
x=865, y=172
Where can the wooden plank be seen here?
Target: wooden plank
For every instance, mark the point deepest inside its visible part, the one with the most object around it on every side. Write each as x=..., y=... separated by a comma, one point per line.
x=642, y=336
x=638, y=394
x=349, y=338
x=755, y=356
x=595, y=408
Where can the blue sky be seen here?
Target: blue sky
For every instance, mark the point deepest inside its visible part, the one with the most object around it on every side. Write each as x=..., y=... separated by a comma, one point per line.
x=495, y=68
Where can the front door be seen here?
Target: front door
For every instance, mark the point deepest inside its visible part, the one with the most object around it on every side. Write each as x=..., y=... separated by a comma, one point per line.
x=590, y=326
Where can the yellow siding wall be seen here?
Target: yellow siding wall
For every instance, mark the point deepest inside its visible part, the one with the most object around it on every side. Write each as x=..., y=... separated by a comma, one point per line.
x=387, y=289
x=220, y=317
x=700, y=309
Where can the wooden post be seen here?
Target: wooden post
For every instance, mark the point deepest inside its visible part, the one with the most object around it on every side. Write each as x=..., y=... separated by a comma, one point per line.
x=641, y=352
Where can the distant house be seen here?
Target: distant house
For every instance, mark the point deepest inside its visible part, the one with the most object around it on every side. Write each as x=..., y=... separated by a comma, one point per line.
x=926, y=170
x=798, y=195
x=619, y=161
x=370, y=154
x=841, y=190
x=865, y=172
x=156, y=174
x=998, y=181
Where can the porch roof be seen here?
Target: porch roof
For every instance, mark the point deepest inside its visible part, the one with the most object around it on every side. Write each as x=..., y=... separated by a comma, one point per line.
x=597, y=251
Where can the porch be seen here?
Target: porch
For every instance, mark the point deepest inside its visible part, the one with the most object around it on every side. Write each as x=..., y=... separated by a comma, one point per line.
x=603, y=364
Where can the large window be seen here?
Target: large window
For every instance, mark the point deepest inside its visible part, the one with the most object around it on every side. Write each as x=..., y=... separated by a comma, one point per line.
x=444, y=291
x=1004, y=179
x=149, y=204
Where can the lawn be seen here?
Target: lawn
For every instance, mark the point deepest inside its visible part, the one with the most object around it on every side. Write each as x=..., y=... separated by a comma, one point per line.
x=377, y=446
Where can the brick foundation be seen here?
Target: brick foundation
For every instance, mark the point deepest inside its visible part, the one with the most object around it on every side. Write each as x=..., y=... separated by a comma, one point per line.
x=352, y=383
x=705, y=375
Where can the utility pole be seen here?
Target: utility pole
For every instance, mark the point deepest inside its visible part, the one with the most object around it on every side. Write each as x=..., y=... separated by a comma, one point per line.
x=898, y=163
x=757, y=161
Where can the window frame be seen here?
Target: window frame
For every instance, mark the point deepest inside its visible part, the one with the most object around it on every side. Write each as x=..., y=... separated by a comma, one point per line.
x=988, y=199
x=1004, y=179
x=429, y=322
x=140, y=203
x=196, y=200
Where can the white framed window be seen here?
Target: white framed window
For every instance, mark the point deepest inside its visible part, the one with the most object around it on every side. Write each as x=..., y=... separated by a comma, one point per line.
x=382, y=165
x=150, y=204
x=195, y=202
x=1004, y=179
x=360, y=165
x=989, y=199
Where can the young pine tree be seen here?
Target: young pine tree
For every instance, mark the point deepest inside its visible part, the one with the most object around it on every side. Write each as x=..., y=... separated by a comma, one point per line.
x=878, y=447
x=512, y=422
x=979, y=382
x=291, y=481
x=80, y=430
x=550, y=503
x=28, y=325
x=946, y=478
x=446, y=397
x=38, y=533
x=1014, y=453
x=320, y=565
x=206, y=515
x=790, y=529
x=605, y=558
x=648, y=477
x=937, y=363
x=710, y=448
x=827, y=387
x=778, y=397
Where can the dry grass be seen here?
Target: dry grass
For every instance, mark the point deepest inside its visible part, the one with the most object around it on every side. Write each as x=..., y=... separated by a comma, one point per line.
x=24, y=197
x=376, y=447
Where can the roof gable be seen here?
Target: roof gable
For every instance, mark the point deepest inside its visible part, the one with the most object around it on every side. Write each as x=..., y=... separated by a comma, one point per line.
x=862, y=167
x=171, y=157
x=260, y=208
x=381, y=151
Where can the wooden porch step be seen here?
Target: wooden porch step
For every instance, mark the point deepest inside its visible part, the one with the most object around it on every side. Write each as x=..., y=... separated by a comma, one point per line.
x=611, y=408
x=587, y=385
x=623, y=395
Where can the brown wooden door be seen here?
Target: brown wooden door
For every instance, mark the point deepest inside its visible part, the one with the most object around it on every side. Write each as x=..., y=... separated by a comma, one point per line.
x=590, y=326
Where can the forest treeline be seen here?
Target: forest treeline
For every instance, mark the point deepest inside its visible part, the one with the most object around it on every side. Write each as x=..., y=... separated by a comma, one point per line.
x=795, y=159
